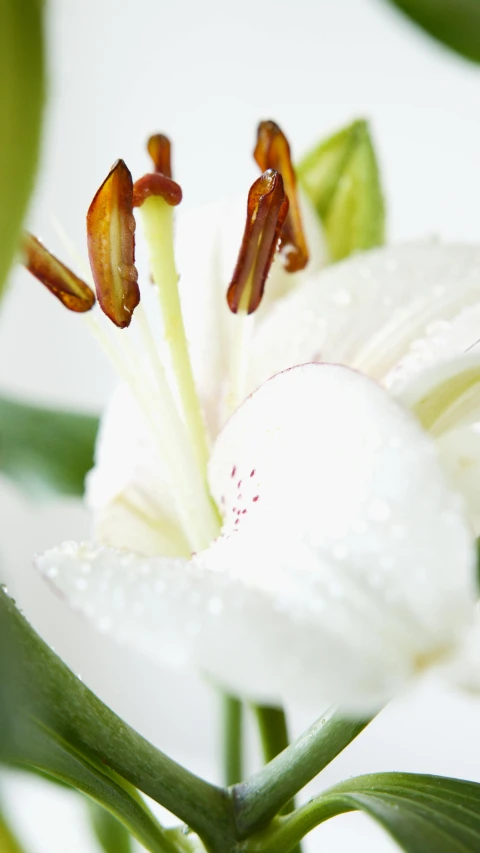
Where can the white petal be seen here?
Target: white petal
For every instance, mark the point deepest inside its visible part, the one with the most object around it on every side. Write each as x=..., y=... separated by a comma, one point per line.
x=127, y=487
x=335, y=503
x=369, y=310
x=345, y=565
x=446, y=396
x=446, y=400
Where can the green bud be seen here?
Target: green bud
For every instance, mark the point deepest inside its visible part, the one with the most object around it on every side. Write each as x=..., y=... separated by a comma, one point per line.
x=341, y=178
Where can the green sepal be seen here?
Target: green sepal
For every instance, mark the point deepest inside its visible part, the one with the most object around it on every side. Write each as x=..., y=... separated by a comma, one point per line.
x=341, y=178
x=44, y=451
x=455, y=23
x=422, y=813
x=21, y=103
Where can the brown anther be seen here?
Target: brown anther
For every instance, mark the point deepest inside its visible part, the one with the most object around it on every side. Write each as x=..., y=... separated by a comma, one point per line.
x=156, y=184
x=267, y=209
x=159, y=148
x=272, y=151
x=62, y=282
x=111, y=246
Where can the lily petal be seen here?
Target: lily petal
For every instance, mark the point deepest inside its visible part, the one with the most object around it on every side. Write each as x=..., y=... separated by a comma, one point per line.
x=127, y=487
x=370, y=311
x=446, y=400
x=344, y=568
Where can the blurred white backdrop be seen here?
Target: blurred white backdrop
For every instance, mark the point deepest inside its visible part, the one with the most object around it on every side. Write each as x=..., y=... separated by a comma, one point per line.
x=205, y=74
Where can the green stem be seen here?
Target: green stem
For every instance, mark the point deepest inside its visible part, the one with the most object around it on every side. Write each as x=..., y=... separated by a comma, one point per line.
x=261, y=797
x=232, y=711
x=284, y=834
x=8, y=842
x=51, y=755
x=272, y=725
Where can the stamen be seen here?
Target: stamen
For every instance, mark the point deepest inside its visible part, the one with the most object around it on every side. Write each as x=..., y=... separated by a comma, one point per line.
x=156, y=184
x=111, y=246
x=267, y=208
x=194, y=505
x=157, y=194
x=272, y=151
x=59, y=279
x=159, y=148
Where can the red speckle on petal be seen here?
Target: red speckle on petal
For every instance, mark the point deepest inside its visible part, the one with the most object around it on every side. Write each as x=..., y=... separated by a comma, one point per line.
x=234, y=471
x=239, y=484
x=252, y=473
x=255, y=498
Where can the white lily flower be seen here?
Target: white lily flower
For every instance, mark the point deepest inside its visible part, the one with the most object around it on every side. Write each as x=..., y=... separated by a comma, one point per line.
x=344, y=565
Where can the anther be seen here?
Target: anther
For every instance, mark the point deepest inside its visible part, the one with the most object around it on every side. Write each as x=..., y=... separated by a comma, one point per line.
x=159, y=148
x=156, y=184
x=272, y=151
x=59, y=279
x=267, y=209
x=111, y=246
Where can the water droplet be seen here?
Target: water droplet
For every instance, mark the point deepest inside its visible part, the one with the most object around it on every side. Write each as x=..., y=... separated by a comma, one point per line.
x=128, y=272
x=81, y=584
x=52, y=572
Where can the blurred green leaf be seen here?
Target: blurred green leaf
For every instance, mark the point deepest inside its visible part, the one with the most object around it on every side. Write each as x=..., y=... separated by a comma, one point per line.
x=21, y=103
x=50, y=721
x=111, y=835
x=8, y=842
x=456, y=23
x=342, y=180
x=424, y=814
x=46, y=451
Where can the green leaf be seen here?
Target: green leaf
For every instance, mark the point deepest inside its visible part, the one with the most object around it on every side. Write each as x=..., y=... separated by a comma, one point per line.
x=50, y=721
x=456, y=23
x=422, y=813
x=21, y=102
x=110, y=834
x=8, y=842
x=46, y=451
x=342, y=180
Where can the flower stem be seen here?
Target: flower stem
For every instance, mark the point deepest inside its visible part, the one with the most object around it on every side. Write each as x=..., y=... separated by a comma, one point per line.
x=232, y=712
x=264, y=794
x=272, y=724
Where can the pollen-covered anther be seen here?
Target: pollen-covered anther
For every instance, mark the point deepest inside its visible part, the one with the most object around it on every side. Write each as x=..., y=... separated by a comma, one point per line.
x=272, y=151
x=159, y=148
x=267, y=209
x=111, y=246
x=156, y=184
x=59, y=279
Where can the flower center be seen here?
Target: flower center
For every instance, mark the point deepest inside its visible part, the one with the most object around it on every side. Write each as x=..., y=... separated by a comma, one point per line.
x=170, y=402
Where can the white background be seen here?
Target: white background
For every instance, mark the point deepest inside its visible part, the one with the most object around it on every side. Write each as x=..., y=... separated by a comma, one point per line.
x=206, y=73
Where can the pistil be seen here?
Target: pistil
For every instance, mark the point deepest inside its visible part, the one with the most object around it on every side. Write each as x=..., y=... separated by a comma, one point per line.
x=157, y=195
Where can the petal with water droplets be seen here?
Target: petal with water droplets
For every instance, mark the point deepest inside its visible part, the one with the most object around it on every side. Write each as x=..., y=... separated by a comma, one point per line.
x=345, y=565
